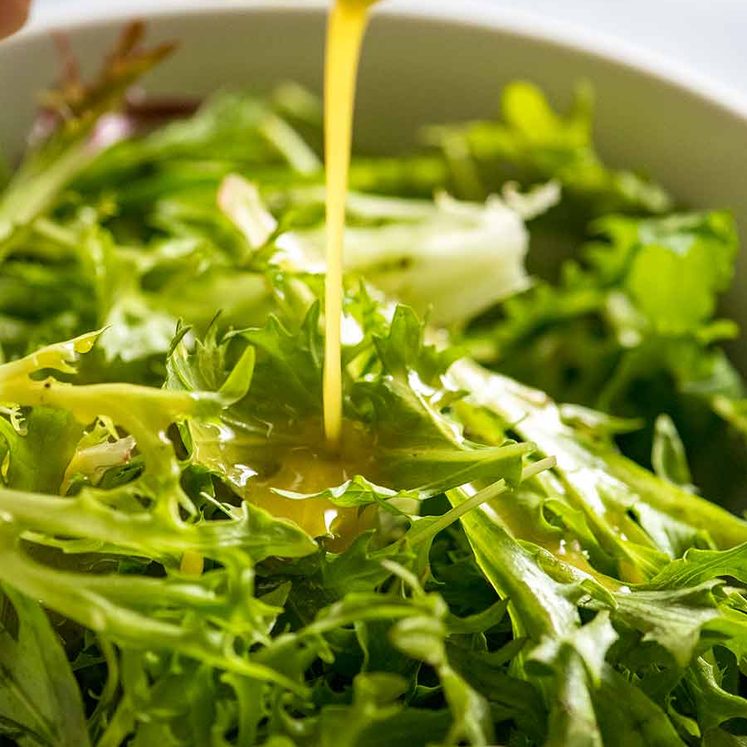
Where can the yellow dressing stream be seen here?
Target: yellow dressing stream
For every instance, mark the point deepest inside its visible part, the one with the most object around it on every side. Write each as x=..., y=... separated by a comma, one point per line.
x=347, y=24
x=307, y=470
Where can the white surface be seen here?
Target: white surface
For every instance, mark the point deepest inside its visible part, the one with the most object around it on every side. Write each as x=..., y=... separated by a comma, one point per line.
x=703, y=36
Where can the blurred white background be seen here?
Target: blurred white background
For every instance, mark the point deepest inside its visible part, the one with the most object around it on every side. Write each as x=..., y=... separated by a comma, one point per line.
x=708, y=37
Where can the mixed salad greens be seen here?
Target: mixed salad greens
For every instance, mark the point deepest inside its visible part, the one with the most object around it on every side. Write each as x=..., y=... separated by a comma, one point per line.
x=181, y=563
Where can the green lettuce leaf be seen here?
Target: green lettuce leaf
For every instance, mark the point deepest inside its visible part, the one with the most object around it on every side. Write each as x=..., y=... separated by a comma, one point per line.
x=39, y=699
x=534, y=143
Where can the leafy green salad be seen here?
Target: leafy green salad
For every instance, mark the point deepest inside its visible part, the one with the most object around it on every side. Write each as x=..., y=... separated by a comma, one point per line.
x=529, y=536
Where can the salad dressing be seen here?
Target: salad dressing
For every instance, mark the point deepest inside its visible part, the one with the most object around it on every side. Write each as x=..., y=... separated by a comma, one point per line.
x=345, y=30
x=308, y=470
x=279, y=472
x=192, y=563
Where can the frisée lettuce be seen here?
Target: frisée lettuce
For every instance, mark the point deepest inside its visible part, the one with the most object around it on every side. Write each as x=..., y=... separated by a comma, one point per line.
x=510, y=548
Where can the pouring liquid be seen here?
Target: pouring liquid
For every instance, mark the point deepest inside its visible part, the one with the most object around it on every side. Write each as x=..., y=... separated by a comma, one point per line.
x=347, y=24
x=305, y=470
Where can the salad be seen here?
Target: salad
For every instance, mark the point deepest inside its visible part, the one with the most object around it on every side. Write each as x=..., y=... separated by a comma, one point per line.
x=529, y=535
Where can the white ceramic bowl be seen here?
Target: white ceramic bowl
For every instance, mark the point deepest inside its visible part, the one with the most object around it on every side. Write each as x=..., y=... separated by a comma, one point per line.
x=427, y=63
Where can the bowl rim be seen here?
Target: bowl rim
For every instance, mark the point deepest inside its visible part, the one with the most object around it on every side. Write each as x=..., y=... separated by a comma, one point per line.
x=481, y=14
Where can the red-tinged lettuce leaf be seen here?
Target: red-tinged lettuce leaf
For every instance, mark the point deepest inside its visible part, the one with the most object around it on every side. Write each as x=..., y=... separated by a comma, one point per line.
x=48, y=168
